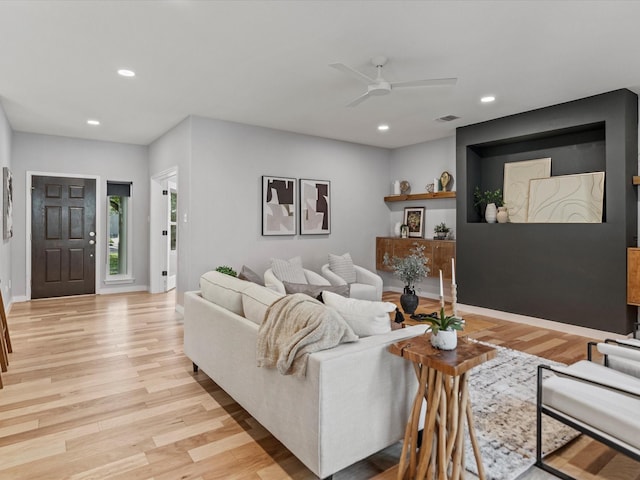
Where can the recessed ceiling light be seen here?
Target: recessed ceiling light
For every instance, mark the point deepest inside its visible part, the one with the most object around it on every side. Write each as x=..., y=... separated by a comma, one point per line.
x=488, y=99
x=126, y=73
x=93, y=122
x=383, y=128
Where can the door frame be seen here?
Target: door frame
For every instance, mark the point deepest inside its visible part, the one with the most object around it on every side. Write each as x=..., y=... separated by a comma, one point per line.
x=99, y=229
x=158, y=255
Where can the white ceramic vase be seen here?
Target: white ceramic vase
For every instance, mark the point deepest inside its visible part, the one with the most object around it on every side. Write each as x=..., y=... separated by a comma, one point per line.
x=445, y=340
x=396, y=229
x=490, y=213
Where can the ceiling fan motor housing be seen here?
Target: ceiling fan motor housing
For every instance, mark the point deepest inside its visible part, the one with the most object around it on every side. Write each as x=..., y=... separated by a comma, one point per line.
x=380, y=88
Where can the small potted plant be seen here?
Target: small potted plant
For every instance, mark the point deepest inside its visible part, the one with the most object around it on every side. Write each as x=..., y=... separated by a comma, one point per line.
x=443, y=330
x=441, y=230
x=488, y=203
x=227, y=270
x=411, y=270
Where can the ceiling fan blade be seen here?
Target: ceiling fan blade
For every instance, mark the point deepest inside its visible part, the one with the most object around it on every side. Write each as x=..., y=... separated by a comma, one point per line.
x=350, y=71
x=359, y=100
x=429, y=82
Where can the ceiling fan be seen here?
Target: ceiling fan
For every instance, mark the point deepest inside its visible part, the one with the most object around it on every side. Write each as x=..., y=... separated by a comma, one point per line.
x=380, y=86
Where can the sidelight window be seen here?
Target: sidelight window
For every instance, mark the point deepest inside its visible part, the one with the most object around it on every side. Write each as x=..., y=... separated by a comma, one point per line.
x=119, y=240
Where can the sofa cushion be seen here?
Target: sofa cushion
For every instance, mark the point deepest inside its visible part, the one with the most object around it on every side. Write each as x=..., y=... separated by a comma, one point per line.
x=250, y=276
x=288, y=270
x=223, y=290
x=363, y=316
x=342, y=265
x=256, y=300
x=315, y=290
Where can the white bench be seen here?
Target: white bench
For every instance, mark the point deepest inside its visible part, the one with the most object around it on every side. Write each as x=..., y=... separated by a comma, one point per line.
x=596, y=400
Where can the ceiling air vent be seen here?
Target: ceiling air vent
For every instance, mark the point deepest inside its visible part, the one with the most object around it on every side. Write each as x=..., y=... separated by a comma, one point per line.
x=447, y=118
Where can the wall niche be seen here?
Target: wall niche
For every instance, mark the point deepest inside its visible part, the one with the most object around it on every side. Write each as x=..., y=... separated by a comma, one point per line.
x=571, y=273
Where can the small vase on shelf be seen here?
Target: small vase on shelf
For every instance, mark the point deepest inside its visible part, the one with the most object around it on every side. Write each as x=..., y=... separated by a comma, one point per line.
x=503, y=215
x=491, y=213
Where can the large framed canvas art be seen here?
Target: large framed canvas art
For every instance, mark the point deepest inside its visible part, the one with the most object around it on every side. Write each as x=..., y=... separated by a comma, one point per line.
x=278, y=205
x=315, y=207
x=7, y=203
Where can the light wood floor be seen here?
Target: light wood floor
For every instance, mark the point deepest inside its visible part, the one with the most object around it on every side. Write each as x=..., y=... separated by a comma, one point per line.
x=98, y=387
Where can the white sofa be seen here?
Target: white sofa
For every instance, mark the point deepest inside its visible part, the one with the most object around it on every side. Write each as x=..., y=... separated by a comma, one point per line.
x=354, y=400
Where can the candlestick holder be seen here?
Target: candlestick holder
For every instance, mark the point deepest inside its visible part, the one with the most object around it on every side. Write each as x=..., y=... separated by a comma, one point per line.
x=454, y=299
x=442, y=301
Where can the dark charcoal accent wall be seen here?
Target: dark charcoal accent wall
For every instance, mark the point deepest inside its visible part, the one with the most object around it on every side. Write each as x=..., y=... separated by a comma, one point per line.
x=570, y=273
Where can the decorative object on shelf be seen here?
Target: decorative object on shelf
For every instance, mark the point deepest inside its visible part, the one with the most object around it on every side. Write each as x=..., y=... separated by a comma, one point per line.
x=411, y=270
x=483, y=199
x=278, y=205
x=443, y=330
x=405, y=187
x=566, y=199
x=315, y=207
x=396, y=187
x=7, y=209
x=446, y=181
x=396, y=229
x=441, y=230
x=429, y=187
x=227, y=270
x=491, y=213
x=414, y=218
x=436, y=185
x=517, y=176
x=404, y=231
x=503, y=215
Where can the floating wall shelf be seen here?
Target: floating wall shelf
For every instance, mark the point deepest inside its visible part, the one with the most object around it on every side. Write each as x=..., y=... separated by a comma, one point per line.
x=419, y=196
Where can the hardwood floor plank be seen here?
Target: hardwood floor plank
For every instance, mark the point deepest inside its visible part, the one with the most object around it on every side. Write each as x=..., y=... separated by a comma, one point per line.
x=99, y=387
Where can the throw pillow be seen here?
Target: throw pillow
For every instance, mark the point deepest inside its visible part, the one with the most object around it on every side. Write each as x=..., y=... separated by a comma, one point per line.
x=315, y=290
x=288, y=270
x=249, y=275
x=363, y=316
x=342, y=265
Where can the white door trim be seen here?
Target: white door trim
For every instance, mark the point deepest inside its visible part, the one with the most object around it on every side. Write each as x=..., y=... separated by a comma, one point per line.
x=158, y=255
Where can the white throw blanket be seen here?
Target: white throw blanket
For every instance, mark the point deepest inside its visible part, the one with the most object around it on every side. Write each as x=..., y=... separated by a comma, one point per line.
x=295, y=326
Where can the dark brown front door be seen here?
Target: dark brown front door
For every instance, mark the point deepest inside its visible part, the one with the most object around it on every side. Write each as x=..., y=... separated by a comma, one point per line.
x=63, y=225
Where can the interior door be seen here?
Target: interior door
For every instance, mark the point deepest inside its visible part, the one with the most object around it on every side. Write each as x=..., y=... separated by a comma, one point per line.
x=63, y=239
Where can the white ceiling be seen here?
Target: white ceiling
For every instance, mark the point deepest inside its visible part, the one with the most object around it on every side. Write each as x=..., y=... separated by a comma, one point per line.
x=266, y=63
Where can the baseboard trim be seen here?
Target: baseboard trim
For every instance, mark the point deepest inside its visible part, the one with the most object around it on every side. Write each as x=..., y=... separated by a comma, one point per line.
x=127, y=289
x=539, y=322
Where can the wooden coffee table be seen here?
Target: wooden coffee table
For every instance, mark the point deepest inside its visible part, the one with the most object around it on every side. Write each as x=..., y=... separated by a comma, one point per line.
x=442, y=381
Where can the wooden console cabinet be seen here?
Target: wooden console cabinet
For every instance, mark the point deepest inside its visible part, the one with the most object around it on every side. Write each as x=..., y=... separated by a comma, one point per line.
x=439, y=253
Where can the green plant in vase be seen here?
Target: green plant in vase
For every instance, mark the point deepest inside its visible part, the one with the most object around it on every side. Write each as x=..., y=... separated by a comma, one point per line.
x=443, y=330
x=411, y=270
x=441, y=230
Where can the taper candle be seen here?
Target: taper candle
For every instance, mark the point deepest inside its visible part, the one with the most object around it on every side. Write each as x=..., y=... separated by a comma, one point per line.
x=453, y=271
x=441, y=287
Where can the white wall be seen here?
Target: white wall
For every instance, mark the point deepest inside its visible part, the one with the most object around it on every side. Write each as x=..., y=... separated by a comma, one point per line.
x=420, y=164
x=226, y=162
x=64, y=155
x=171, y=150
x=5, y=245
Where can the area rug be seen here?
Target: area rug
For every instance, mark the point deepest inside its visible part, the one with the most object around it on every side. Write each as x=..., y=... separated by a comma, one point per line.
x=503, y=396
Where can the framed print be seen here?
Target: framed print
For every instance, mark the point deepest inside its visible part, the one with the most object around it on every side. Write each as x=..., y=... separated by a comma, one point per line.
x=7, y=203
x=278, y=205
x=517, y=176
x=315, y=207
x=414, y=219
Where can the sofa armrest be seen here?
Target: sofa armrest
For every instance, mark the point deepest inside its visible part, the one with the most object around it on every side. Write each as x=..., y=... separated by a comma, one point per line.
x=370, y=278
x=272, y=282
x=314, y=278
